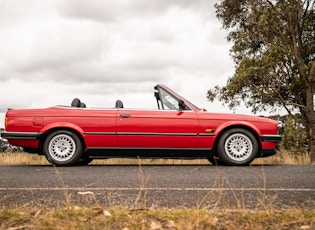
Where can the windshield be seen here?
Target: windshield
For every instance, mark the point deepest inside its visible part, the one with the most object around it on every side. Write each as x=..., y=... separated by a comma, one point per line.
x=168, y=101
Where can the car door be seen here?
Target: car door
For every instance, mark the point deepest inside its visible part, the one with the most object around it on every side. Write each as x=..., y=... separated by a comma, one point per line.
x=157, y=129
x=99, y=127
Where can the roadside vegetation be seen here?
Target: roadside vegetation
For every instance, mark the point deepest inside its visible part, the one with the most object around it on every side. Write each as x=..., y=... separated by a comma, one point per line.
x=74, y=217
x=282, y=157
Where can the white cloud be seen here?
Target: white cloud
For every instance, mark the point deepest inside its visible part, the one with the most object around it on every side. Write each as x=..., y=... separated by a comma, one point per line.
x=100, y=51
x=120, y=10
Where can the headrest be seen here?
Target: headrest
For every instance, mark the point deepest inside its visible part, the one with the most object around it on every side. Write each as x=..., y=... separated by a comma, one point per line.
x=76, y=102
x=119, y=104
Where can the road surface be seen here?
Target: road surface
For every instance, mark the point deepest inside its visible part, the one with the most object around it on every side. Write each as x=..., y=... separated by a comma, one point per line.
x=147, y=186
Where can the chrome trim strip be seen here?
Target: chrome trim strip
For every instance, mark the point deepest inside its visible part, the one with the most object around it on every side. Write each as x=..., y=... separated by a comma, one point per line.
x=149, y=134
x=207, y=134
x=155, y=134
x=148, y=148
x=99, y=133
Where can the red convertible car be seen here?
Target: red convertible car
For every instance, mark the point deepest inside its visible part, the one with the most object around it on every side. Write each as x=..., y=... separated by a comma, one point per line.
x=76, y=134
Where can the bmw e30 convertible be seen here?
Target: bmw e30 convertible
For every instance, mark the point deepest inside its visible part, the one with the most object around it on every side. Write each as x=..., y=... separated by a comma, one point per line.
x=76, y=134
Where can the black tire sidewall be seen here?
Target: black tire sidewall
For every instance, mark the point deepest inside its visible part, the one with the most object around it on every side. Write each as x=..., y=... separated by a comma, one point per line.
x=75, y=157
x=223, y=156
x=84, y=161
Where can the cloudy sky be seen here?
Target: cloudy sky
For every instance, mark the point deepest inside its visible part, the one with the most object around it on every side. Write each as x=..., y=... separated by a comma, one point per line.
x=100, y=51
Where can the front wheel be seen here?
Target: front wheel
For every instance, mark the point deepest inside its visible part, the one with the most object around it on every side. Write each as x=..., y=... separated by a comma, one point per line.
x=237, y=147
x=63, y=148
x=84, y=161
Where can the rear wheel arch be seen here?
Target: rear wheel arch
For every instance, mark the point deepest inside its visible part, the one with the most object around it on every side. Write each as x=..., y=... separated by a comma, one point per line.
x=63, y=147
x=48, y=132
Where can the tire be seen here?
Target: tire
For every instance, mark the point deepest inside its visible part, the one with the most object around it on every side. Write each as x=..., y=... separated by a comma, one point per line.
x=30, y=150
x=63, y=148
x=84, y=161
x=214, y=160
x=237, y=147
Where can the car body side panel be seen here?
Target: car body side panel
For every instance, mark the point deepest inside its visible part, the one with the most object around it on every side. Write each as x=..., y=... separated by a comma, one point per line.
x=217, y=123
x=157, y=129
x=21, y=124
x=24, y=143
x=96, y=126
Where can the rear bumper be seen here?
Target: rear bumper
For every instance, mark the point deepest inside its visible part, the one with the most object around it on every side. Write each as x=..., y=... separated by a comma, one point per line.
x=21, y=135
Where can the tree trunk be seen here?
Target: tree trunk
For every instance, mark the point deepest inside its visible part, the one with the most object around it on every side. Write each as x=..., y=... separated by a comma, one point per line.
x=312, y=141
x=310, y=92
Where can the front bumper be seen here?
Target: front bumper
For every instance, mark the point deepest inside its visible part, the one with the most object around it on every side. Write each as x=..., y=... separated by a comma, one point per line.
x=266, y=152
x=270, y=138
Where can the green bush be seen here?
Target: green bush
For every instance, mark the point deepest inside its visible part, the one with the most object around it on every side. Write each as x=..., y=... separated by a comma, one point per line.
x=294, y=137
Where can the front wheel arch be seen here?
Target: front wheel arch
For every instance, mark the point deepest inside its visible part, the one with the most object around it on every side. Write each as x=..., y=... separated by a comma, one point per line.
x=215, y=151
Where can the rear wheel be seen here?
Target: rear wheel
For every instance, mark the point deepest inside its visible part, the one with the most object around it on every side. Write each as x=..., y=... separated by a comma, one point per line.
x=237, y=147
x=63, y=148
x=215, y=161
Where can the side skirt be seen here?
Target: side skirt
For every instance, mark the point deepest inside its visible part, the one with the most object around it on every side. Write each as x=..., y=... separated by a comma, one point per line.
x=148, y=153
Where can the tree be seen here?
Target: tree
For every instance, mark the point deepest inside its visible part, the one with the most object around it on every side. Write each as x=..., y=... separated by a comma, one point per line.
x=293, y=135
x=274, y=52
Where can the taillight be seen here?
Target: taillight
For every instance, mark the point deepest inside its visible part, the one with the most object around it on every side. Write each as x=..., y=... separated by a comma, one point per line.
x=6, y=121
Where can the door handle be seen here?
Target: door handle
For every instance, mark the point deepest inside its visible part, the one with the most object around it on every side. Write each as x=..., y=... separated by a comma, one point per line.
x=125, y=115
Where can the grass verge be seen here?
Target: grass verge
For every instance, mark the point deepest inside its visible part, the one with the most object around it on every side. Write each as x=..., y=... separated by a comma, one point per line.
x=123, y=218
x=22, y=158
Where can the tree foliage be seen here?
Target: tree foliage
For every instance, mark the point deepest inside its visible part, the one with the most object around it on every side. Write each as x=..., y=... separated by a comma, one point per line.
x=274, y=52
x=274, y=46
x=293, y=138
x=292, y=130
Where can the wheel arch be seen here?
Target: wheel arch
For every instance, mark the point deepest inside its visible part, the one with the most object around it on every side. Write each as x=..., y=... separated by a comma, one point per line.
x=226, y=128
x=50, y=130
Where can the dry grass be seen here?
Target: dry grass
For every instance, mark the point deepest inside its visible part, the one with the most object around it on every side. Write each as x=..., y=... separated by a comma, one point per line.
x=22, y=158
x=121, y=218
x=285, y=157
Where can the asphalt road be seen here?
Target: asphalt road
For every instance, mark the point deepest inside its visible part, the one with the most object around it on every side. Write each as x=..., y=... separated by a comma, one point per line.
x=147, y=186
